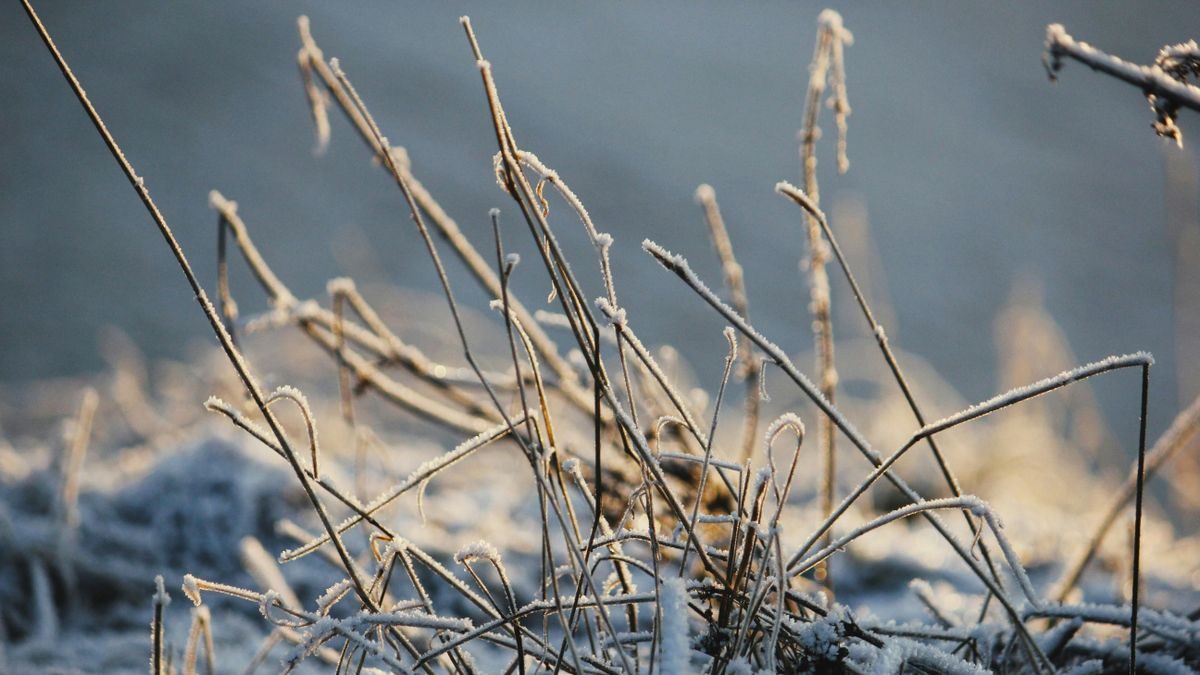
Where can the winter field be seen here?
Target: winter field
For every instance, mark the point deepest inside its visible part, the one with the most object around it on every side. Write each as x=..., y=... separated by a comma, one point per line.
x=379, y=479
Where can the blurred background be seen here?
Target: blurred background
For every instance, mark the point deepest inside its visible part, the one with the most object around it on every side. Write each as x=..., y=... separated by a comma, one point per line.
x=973, y=180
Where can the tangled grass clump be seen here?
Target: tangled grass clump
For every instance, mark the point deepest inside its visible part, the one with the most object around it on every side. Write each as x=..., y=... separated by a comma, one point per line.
x=654, y=543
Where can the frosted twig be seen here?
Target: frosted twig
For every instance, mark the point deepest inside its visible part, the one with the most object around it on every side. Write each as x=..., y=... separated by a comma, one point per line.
x=446, y=225
x=322, y=627
x=391, y=162
x=712, y=429
x=481, y=550
x=407, y=355
x=643, y=354
x=505, y=265
x=564, y=283
x=736, y=283
x=418, y=477
x=975, y=505
x=554, y=260
x=295, y=396
x=1019, y=394
x=201, y=629
x=216, y=405
x=678, y=265
x=601, y=241
x=814, y=211
x=318, y=101
x=681, y=457
x=785, y=421
x=395, y=392
x=512, y=321
x=565, y=286
x=314, y=320
x=1165, y=83
x=193, y=587
x=536, y=606
x=1009, y=398
x=827, y=67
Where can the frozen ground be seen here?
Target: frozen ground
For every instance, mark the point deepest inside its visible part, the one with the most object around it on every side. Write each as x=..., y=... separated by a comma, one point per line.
x=167, y=490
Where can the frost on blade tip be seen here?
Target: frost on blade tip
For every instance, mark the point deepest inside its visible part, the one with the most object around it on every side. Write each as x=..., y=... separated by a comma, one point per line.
x=218, y=202
x=340, y=286
x=615, y=315
x=160, y=592
x=512, y=260
x=788, y=420
x=296, y=396
x=420, y=475
x=830, y=18
x=731, y=336
x=665, y=258
x=675, y=646
x=481, y=550
x=215, y=404
x=191, y=589
x=801, y=197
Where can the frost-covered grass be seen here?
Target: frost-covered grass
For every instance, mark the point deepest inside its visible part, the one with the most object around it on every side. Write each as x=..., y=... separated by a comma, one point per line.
x=578, y=505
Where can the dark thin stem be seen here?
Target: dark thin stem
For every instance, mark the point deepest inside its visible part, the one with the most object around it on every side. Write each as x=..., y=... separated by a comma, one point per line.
x=1137, y=519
